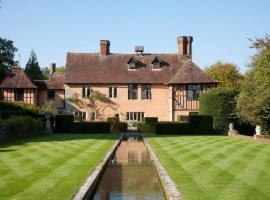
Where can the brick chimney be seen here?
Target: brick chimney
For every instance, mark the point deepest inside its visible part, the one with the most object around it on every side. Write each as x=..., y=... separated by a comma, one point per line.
x=104, y=47
x=185, y=46
x=52, y=68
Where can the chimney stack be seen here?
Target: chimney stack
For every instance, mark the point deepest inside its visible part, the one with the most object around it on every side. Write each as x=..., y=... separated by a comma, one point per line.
x=185, y=46
x=104, y=47
x=52, y=68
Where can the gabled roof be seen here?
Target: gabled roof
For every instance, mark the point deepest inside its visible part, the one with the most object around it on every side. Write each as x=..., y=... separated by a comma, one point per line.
x=56, y=82
x=17, y=79
x=87, y=68
x=191, y=73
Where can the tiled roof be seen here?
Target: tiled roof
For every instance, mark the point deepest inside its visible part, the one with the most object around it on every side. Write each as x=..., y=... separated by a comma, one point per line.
x=113, y=68
x=56, y=82
x=17, y=79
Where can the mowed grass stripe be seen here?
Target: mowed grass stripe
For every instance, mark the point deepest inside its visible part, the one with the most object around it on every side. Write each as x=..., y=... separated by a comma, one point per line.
x=215, y=167
x=69, y=160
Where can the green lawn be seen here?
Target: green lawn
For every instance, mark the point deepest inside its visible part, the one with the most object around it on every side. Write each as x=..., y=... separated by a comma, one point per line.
x=49, y=167
x=216, y=167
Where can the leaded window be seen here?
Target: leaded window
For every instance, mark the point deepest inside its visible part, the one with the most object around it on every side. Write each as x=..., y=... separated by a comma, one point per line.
x=146, y=91
x=193, y=91
x=132, y=91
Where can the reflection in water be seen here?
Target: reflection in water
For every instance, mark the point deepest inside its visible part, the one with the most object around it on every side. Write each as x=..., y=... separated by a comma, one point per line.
x=129, y=175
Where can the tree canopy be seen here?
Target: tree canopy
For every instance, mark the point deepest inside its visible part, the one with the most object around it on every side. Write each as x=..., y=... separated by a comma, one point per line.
x=7, y=53
x=253, y=103
x=227, y=73
x=32, y=68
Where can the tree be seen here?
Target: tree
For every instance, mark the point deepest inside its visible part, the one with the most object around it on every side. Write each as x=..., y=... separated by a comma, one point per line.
x=253, y=104
x=227, y=73
x=32, y=68
x=7, y=53
x=45, y=73
x=60, y=69
x=96, y=103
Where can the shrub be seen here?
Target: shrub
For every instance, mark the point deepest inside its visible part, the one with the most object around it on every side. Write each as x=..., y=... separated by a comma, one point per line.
x=119, y=127
x=146, y=127
x=64, y=123
x=21, y=127
x=9, y=108
x=172, y=128
x=200, y=124
x=150, y=119
x=219, y=103
x=182, y=118
x=91, y=127
x=113, y=119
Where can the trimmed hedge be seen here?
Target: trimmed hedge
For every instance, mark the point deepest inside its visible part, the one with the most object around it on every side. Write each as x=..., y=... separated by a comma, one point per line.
x=182, y=118
x=116, y=125
x=64, y=123
x=219, y=103
x=201, y=123
x=92, y=127
x=9, y=109
x=197, y=124
x=172, y=128
x=20, y=127
x=146, y=127
x=150, y=119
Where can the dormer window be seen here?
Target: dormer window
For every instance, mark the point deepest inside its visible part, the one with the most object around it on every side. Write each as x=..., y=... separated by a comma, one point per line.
x=156, y=63
x=132, y=63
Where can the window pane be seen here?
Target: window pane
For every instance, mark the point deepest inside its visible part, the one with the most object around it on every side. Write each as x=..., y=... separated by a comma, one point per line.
x=83, y=92
x=88, y=92
x=110, y=92
x=115, y=92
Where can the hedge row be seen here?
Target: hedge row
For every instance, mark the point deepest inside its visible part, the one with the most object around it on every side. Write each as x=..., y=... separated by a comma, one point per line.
x=9, y=109
x=91, y=127
x=197, y=124
x=18, y=127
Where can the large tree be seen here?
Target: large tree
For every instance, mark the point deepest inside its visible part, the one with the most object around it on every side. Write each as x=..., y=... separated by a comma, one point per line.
x=227, y=73
x=7, y=53
x=253, y=104
x=32, y=68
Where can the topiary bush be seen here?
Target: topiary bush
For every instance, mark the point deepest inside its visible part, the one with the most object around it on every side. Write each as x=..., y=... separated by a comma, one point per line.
x=92, y=127
x=64, y=123
x=220, y=104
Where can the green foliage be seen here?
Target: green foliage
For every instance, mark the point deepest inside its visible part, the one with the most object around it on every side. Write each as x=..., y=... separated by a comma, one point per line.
x=220, y=104
x=97, y=102
x=182, y=118
x=150, y=119
x=116, y=125
x=21, y=127
x=64, y=123
x=253, y=104
x=227, y=73
x=7, y=53
x=60, y=69
x=201, y=123
x=146, y=127
x=32, y=68
x=172, y=128
x=48, y=108
x=45, y=71
x=8, y=109
x=92, y=127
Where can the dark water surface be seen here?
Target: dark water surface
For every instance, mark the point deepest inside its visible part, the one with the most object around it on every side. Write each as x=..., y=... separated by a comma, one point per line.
x=130, y=175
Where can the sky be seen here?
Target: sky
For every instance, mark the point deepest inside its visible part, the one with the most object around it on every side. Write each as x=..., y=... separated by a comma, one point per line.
x=220, y=29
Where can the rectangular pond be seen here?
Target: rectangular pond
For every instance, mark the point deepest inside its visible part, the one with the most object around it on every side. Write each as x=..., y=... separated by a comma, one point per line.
x=130, y=174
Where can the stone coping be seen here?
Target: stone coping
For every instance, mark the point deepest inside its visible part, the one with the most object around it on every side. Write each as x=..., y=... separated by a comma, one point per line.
x=168, y=185
x=91, y=182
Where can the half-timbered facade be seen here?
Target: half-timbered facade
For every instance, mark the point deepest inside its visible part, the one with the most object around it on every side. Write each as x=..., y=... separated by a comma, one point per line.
x=17, y=86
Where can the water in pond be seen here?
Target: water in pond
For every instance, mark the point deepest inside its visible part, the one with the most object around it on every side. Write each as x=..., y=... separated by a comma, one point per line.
x=130, y=174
